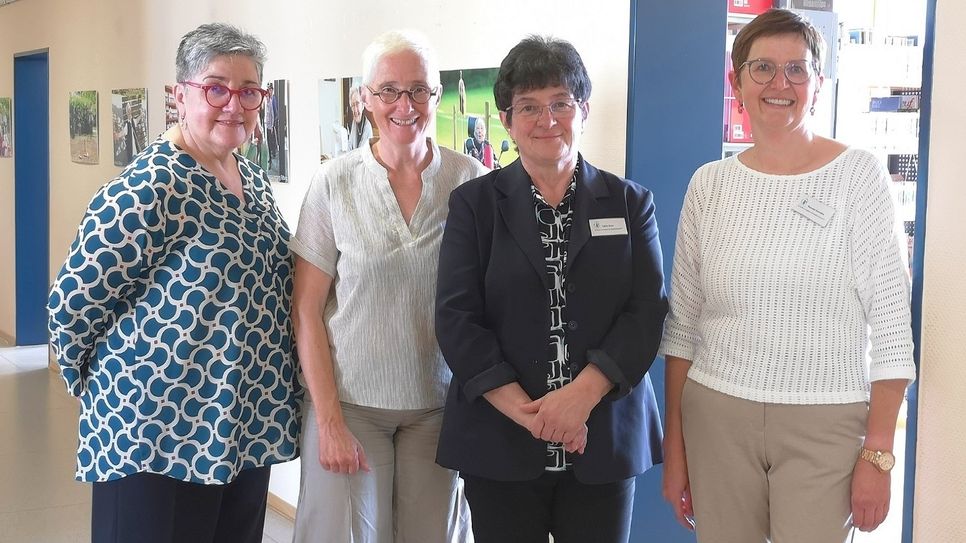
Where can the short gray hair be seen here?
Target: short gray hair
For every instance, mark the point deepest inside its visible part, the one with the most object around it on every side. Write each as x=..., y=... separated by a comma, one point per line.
x=200, y=46
x=397, y=41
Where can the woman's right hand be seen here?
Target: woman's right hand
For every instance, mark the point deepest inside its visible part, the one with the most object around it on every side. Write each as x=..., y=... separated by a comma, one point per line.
x=676, y=484
x=339, y=450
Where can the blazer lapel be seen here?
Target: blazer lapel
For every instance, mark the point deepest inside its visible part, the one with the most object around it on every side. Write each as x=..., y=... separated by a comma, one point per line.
x=516, y=207
x=590, y=188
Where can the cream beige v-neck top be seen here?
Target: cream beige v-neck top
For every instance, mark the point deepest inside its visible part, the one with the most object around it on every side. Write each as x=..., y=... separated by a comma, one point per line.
x=380, y=310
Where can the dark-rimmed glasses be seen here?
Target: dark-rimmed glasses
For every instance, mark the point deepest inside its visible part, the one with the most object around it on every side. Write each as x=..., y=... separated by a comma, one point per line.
x=559, y=109
x=418, y=94
x=217, y=95
x=762, y=71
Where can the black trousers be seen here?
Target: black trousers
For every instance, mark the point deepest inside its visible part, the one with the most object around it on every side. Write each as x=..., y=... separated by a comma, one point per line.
x=555, y=503
x=150, y=508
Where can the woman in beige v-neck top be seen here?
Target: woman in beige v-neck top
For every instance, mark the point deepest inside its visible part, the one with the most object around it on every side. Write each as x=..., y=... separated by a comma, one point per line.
x=367, y=245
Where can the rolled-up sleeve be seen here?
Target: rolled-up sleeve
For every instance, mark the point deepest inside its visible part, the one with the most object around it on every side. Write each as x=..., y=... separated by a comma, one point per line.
x=629, y=347
x=471, y=349
x=314, y=239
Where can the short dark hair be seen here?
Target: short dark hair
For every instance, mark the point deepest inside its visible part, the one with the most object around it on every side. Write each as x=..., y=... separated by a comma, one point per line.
x=775, y=22
x=538, y=62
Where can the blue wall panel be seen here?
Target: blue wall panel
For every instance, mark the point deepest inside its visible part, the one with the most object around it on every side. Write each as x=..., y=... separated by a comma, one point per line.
x=919, y=246
x=675, y=104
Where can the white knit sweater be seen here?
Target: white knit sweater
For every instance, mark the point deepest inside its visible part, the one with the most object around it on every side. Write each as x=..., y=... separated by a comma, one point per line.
x=771, y=306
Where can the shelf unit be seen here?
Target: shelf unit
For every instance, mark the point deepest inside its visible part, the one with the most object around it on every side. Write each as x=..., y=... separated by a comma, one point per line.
x=880, y=70
x=737, y=134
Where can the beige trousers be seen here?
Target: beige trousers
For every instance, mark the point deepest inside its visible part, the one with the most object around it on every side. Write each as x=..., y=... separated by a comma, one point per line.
x=764, y=472
x=405, y=498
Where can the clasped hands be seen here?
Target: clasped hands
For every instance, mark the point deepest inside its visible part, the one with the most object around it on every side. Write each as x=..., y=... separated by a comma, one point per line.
x=560, y=416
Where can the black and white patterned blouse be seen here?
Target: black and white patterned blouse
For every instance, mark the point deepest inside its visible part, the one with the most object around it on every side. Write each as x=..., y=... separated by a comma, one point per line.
x=555, y=226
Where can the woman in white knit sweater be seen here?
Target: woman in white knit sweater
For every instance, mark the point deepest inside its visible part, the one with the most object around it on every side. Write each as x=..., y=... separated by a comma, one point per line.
x=786, y=268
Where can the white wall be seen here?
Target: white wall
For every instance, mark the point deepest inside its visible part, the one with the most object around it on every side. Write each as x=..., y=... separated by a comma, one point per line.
x=940, y=475
x=111, y=44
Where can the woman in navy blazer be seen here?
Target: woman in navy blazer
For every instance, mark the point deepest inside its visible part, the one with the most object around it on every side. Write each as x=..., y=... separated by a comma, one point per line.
x=550, y=308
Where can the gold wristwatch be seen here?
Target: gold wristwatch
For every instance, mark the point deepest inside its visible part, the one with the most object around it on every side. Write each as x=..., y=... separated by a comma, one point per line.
x=882, y=460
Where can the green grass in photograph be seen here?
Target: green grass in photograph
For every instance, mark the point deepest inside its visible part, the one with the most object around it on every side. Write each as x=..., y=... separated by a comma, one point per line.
x=479, y=91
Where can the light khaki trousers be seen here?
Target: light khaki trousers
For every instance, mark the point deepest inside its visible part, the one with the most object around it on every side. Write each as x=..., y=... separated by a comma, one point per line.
x=405, y=498
x=763, y=472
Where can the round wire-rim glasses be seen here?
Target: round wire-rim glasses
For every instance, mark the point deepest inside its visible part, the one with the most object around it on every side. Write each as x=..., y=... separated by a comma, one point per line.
x=218, y=95
x=559, y=109
x=418, y=94
x=763, y=71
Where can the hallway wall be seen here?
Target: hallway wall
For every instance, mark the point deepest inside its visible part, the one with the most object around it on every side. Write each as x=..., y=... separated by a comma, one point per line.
x=112, y=44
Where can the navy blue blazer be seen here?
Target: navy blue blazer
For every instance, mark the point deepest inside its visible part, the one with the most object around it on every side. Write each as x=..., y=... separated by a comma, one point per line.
x=492, y=323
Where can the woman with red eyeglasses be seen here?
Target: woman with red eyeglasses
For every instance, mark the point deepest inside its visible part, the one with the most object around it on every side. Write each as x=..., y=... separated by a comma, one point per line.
x=171, y=319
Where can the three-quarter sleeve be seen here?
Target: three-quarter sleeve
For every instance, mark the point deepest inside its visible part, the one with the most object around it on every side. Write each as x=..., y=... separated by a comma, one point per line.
x=118, y=238
x=470, y=347
x=882, y=280
x=686, y=296
x=629, y=347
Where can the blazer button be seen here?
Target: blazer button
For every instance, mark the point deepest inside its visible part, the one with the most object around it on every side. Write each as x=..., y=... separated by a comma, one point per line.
x=571, y=287
x=572, y=325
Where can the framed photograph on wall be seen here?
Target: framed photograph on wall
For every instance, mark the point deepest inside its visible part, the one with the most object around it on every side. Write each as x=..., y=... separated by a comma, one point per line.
x=129, y=111
x=6, y=128
x=83, y=127
x=170, y=109
x=344, y=123
x=275, y=114
x=468, y=121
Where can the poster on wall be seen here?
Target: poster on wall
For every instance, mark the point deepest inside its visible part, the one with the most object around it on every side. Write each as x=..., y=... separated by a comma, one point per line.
x=170, y=109
x=6, y=132
x=129, y=109
x=467, y=120
x=83, y=127
x=344, y=123
x=275, y=116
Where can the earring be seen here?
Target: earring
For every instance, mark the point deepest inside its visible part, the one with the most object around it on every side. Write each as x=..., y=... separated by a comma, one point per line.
x=741, y=107
x=181, y=121
x=812, y=111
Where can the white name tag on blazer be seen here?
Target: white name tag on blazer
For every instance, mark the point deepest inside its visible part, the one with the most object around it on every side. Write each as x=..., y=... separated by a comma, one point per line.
x=814, y=210
x=608, y=227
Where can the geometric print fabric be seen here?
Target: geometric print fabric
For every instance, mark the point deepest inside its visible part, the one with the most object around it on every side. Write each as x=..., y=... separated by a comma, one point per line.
x=171, y=322
x=555, y=226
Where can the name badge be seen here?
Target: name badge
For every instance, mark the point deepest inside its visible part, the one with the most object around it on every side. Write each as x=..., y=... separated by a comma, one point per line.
x=608, y=227
x=814, y=210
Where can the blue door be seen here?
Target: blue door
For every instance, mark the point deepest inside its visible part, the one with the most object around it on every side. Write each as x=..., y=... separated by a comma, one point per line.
x=32, y=182
x=674, y=125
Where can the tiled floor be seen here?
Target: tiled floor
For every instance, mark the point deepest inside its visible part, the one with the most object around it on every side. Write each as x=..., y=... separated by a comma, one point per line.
x=39, y=500
x=41, y=503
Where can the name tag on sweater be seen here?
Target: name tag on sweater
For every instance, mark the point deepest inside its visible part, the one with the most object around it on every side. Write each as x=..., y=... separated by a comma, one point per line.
x=608, y=227
x=814, y=210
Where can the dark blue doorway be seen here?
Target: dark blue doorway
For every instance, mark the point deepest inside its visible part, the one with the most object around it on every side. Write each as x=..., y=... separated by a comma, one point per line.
x=32, y=182
x=674, y=125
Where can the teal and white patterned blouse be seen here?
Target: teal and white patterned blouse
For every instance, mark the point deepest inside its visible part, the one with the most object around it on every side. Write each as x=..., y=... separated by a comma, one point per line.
x=171, y=322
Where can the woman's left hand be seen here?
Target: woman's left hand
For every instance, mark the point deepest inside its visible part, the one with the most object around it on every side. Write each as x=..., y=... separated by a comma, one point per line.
x=870, y=496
